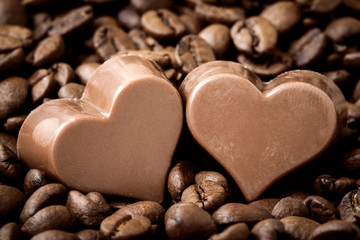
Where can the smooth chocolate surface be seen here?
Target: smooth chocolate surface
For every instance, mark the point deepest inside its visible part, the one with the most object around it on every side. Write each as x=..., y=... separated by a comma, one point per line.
x=118, y=139
x=261, y=131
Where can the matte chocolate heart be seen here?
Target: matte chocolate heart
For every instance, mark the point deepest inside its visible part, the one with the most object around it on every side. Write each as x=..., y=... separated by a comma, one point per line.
x=258, y=131
x=118, y=139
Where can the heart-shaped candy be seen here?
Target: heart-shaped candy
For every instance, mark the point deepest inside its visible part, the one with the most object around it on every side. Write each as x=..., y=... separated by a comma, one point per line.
x=258, y=131
x=118, y=139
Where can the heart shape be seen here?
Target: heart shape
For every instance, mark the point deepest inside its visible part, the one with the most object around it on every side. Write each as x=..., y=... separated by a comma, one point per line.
x=118, y=139
x=258, y=131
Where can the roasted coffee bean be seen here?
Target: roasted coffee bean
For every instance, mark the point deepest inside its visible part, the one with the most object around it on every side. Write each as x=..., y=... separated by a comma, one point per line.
x=110, y=39
x=239, y=212
x=129, y=18
x=341, y=78
x=43, y=88
x=41, y=22
x=49, y=194
x=71, y=91
x=238, y=231
x=180, y=177
x=13, y=94
x=117, y=205
x=10, y=231
x=320, y=209
x=13, y=124
x=85, y=71
x=320, y=6
x=254, y=36
x=34, y=179
x=289, y=206
x=351, y=60
x=162, y=24
x=268, y=229
x=283, y=15
x=343, y=29
x=72, y=21
x=160, y=57
x=104, y=20
x=12, y=60
x=10, y=167
x=350, y=161
x=335, y=229
x=207, y=195
x=11, y=202
x=9, y=141
x=349, y=204
x=13, y=36
x=146, y=5
x=51, y=217
x=152, y=210
x=187, y=221
x=271, y=65
x=38, y=75
x=353, y=123
x=89, y=234
x=55, y=235
x=218, y=37
x=47, y=51
x=123, y=226
x=265, y=203
x=63, y=73
x=144, y=41
x=309, y=48
x=191, y=21
x=192, y=51
x=99, y=199
x=12, y=12
x=87, y=212
x=352, y=4
x=218, y=14
x=299, y=227
x=216, y=177
x=330, y=187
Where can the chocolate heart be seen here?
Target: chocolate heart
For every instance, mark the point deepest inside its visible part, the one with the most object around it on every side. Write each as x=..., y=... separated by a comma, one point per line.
x=118, y=139
x=258, y=131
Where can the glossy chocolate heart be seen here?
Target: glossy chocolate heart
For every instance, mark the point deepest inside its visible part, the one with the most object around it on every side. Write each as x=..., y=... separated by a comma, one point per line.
x=118, y=139
x=258, y=131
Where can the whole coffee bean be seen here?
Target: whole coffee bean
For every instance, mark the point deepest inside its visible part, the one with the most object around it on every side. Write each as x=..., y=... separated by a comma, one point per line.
x=162, y=24
x=48, y=51
x=10, y=231
x=110, y=39
x=343, y=29
x=12, y=60
x=349, y=204
x=51, y=217
x=9, y=141
x=152, y=210
x=309, y=48
x=123, y=226
x=38, y=75
x=283, y=15
x=218, y=14
x=265, y=203
x=72, y=21
x=341, y=78
x=144, y=41
x=89, y=234
x=289, y=206
x=320, y=209
x=254, y=36
x=335, y=229
x=350, y=161
x=10, y=167
x=351, y=60
x=319, y=6
x=11, y=202
x=330, y=187
x=212, y=176
x=85, y=71
x=146, y=5
x=207, y=195
x=71, y=91
x=63, y=73
x=41, y=23
x=299, y=227
x=13, y=36
x=239, y=212
x=180, y=177
x=13, y=124
x=12, y=12
x=104, y=20
x=218, y=37
x=43, y=88
x=88, y=213
x=34, y=179
x=192, y=51
x=191, y=21
x=99, y=199
x=129, y=18
x=49, y=194
x=268, y=229
x=238, y=231
x=55, y=235
x=187, y=221
x=353, y=121
x=13, y=93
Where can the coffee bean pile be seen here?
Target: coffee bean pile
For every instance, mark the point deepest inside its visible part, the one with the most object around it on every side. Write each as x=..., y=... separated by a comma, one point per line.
x=50, y=48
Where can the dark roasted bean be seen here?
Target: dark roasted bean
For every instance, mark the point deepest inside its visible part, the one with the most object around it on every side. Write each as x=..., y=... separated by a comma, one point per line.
x=218, y=37
x=129, y=18
x=85, y=71
x=55, y=235
x=238, y=231
x=180, y=177
x=11, y=168
x=11, y=202
x=71, y=91
x=12, y=60
x=13, y=36
x=349, y=204
x=335, y=229
x=34, y=179
x=320, y=209
x=341, y=29
x=13, y=124
x=217, y=14
x=268, y=229
x=289, y=206
x=299, y=227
